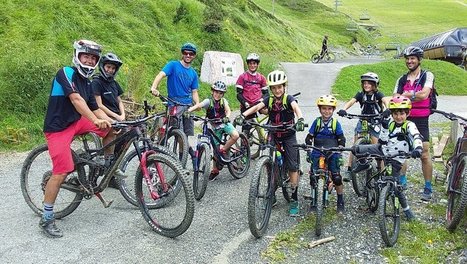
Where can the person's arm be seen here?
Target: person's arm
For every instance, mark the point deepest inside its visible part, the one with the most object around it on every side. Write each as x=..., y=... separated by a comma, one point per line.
x=156, y=82
x=227, y=109
x=349, y=103
x=296, y=109
x=240, y=97
x=121, y=107
x=80, y=105
x=426, y=90
x=253, y=109
x=195, y=95
x=195, y=107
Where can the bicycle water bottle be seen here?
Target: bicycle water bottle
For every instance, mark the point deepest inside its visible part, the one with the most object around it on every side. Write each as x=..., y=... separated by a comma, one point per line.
x=340, y=161
x=279, y=158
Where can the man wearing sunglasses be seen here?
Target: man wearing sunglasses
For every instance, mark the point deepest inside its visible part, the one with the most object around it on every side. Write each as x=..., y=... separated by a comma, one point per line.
x=182, y=85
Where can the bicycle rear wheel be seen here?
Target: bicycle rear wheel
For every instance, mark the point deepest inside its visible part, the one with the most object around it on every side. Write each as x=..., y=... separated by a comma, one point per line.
x=177, y=142
x=372, y=194
x=315, y=58
x=176, y=209
x=255, y=142
x=130, y=165
x=389, y=216
x=241, y=152
x=35, y=173
x=260, y=197
x=359, y=179
x=457, y=195
x=201, y=174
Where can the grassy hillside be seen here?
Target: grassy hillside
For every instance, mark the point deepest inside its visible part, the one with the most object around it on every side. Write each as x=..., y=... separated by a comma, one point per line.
x=405, y=21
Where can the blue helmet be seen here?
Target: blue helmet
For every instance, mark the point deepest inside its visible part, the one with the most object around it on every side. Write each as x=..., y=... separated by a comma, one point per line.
x=189, y=47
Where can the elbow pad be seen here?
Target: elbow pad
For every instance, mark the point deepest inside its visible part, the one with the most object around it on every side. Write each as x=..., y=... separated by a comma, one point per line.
x=341, y=140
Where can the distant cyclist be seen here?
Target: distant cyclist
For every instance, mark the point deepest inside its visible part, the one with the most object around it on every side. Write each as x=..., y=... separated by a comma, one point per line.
x=251, y=87
x=324, y=46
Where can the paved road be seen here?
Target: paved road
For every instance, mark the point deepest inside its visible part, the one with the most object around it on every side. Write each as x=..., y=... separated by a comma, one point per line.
x=219, y=233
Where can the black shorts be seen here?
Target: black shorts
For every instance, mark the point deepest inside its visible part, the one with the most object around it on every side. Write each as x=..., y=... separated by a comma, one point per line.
x=290, y=155
x=422, y=126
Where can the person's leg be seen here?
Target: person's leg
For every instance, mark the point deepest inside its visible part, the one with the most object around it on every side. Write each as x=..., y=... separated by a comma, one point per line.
x=427, y=169
x=334, y=167
x=233, y=136
x=291, y=157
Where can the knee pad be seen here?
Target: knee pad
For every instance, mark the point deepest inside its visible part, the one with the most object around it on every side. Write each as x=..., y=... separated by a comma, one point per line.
x=337, y=179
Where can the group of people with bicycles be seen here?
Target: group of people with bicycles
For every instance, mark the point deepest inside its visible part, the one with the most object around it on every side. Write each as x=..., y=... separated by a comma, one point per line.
x=78, y=106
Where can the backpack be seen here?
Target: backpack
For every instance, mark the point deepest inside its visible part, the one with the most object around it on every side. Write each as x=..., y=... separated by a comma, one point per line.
x=392, y=126
x=433, y=93
x=319, y=126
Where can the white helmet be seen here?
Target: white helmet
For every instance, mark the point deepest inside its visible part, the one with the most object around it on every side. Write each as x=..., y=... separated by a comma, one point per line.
x=252, y=57
x=277, y=77
x=370, y=76
x=86, y=46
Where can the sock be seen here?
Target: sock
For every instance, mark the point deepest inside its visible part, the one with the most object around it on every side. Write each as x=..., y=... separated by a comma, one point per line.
x=428, y=185
x=340, y=199
x=402, y=179
x=48, y=211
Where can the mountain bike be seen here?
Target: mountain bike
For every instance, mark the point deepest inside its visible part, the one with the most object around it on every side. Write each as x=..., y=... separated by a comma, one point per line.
x=268, y=175
x=237, y=160
x=325, y=185
x=166, y=131
x=327, y=57
x=164, y=179
x=360, y=179
x=389, y=191
x=457, y=171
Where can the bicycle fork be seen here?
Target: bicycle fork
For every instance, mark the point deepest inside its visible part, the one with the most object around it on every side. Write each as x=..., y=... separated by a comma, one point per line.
x=148, y=177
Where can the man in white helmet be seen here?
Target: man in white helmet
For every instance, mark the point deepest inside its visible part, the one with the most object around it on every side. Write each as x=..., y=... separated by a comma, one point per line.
x=72, y=110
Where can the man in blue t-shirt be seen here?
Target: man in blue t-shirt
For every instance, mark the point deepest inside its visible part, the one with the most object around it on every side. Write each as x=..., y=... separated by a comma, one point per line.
x=182, y=85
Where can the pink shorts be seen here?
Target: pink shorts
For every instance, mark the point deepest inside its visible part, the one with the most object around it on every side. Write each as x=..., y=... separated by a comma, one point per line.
x=59, y=144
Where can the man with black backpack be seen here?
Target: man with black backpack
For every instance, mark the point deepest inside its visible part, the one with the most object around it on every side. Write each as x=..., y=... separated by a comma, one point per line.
x=418, y=85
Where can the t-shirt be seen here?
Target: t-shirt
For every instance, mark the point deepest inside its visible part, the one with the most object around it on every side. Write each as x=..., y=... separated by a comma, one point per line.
x=181, y=81
x=280, y=113
x=419, y=108
x=109, y=91
x=252, y=86
x=61, y=113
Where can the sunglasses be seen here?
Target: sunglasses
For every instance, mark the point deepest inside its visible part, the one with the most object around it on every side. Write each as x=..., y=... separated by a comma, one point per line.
x=187, y=53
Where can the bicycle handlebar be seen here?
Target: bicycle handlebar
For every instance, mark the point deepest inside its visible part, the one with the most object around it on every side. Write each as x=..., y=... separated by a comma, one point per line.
x=132, y=123
x=368, y=117
x=205, y=119
x=322, y=149
x=167, y=99
x=273, y=128
x=451, y=116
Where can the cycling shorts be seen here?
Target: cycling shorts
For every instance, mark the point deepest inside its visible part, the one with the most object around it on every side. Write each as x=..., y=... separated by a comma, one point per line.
x=59, y=144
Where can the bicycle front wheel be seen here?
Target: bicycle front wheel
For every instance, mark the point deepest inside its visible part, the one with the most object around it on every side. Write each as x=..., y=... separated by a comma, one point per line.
x=260, y=197
x=457, y=195
x=176, y=209
x=36, y=172
x=130, y=165
x=202, y=170
x=372, y=194
x=389, y=215
x=330, y=57
x=240, y=152
x=315, y=58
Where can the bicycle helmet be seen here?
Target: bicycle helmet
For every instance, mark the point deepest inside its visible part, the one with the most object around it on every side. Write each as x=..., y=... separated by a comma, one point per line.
x=219, y=86
x=327, y=100
x=370, y=76
x=413, y=51
x=252, y=57
x=89, y=47
x=400, y=102
x=277, y=77
x=189, y=47
x=109, y=58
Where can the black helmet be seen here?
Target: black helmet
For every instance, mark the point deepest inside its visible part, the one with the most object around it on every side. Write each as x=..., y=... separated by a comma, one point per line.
x=109, y=58
x=413, y=51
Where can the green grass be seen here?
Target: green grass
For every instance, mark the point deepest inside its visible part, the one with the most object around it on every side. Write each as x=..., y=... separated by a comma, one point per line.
x=405, y=21
x=449, y=79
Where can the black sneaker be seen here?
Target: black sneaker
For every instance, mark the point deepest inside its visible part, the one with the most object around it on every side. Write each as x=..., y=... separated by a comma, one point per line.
x=340, y=208
x=49, y=227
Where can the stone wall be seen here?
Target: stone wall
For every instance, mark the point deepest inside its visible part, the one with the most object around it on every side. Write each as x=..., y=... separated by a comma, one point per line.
x=221, y=66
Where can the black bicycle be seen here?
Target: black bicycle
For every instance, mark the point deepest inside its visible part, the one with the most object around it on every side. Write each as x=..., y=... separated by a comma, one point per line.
x=237, y=160
x=325, y=185
x=457, y=170
x=386, y=191
x=163, y=180
x=268, y=175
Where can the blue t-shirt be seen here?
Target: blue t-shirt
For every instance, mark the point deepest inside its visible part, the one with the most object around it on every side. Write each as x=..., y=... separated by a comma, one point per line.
x=325, y=137
x=61, y=113
x=181, y=81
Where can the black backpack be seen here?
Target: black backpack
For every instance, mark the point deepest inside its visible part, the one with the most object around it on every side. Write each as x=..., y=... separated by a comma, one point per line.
x=421, y=81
